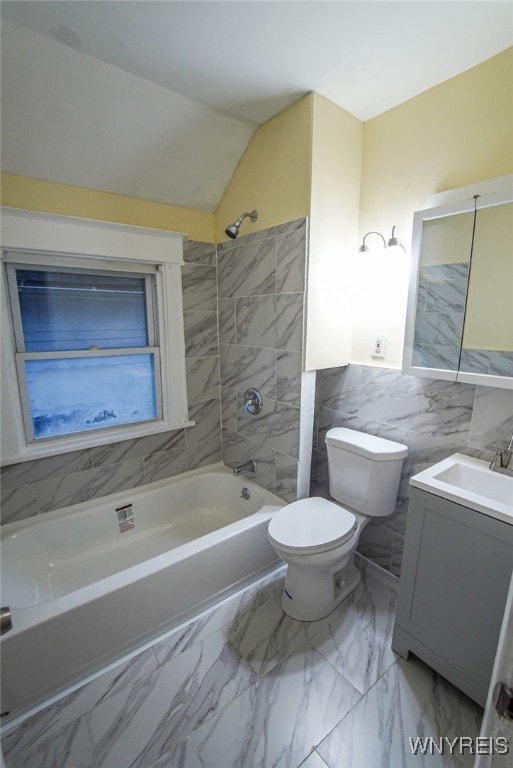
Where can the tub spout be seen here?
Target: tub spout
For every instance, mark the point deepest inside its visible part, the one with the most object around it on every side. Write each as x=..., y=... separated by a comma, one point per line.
x=249, y=465
x=5, y=620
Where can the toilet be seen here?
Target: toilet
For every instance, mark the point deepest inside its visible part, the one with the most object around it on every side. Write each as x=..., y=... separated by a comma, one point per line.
x=317, y=538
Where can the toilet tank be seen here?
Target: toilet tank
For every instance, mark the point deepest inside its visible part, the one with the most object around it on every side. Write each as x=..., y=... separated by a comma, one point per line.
x=364, y=471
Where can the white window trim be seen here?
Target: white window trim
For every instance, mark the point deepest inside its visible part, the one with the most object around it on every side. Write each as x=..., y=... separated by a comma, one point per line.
x=69, y=237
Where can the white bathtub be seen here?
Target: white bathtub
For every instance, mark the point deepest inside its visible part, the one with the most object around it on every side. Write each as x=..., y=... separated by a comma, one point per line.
x=86, y=587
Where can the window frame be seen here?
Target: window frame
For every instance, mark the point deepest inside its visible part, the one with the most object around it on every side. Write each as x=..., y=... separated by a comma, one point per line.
x=49, y=241
x=22, y=355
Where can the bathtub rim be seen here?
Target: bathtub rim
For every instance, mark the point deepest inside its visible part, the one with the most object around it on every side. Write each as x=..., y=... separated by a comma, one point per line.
x=116, y=497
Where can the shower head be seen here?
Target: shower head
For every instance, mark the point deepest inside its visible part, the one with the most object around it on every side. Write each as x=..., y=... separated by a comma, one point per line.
x=233, y=229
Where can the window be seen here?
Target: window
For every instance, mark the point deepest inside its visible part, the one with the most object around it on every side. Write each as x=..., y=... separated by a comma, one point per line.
x=96, y=346
x=86, y=349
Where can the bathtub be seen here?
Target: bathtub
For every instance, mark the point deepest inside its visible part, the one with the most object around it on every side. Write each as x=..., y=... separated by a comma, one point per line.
x=89, y=584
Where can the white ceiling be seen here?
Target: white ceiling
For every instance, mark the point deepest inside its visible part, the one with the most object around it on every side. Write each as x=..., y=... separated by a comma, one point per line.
x=246, y=60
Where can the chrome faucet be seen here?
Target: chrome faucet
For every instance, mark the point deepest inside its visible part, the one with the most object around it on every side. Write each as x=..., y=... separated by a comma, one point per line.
x=5, y=619
x=249, y=465
x=503, y=460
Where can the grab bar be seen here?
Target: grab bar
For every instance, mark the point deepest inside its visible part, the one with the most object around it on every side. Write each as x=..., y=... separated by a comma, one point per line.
x=5, y=620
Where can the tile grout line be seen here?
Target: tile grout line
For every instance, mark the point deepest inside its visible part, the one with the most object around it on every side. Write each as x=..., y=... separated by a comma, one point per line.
x=355, y=704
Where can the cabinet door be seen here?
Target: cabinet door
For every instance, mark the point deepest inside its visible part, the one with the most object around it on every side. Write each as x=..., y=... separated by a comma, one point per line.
x=457, y=568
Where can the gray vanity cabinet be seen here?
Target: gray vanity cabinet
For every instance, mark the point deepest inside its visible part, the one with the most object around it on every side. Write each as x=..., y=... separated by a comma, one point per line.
x=454, y=582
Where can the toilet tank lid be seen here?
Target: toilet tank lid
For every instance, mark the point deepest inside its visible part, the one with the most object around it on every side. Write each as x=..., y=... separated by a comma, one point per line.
x=370, y=446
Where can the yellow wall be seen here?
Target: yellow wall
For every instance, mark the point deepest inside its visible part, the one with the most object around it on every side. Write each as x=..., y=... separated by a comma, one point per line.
x=50, y=197
x=273, y=174
x=337, y=139
x=454, y=134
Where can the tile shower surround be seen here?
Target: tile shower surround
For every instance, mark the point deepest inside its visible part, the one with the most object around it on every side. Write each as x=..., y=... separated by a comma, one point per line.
x=261, y=294
x=261, y=287
x=434, y=418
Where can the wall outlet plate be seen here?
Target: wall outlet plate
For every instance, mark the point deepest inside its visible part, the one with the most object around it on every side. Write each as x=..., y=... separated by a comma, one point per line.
x=379, y=345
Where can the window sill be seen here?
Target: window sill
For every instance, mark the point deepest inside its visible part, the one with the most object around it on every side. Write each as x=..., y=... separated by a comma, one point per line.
x=82, y=442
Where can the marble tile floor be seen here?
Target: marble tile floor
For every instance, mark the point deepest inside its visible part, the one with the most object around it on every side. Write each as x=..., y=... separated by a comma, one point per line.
x=244, y=686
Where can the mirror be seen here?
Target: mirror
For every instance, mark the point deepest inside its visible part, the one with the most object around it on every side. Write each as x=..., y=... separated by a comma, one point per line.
x=460, y=305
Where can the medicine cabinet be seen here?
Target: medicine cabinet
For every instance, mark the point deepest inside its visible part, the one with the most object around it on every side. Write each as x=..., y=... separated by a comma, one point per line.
x=460, y=304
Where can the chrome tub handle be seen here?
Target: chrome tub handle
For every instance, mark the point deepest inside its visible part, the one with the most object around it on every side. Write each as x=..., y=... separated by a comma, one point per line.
x=5, y=620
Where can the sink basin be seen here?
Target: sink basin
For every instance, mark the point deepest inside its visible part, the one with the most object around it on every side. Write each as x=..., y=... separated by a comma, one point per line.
x=471, y=483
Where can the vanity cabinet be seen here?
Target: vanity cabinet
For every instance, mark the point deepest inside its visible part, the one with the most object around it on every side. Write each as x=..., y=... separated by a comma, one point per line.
x=455, y=576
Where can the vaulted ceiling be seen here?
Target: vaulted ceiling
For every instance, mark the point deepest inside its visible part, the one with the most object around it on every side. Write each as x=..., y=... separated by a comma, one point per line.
x=159, y=99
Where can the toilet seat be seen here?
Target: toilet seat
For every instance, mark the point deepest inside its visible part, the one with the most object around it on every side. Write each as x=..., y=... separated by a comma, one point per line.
x=311, y=525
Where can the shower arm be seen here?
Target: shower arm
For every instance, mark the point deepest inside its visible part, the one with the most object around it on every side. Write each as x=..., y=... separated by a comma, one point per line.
x=253, y=215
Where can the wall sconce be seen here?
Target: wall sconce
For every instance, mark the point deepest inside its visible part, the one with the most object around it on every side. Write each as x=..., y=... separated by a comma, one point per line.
x=392, y=241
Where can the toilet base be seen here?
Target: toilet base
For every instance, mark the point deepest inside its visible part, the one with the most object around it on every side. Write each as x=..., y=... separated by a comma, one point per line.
x=306, y=597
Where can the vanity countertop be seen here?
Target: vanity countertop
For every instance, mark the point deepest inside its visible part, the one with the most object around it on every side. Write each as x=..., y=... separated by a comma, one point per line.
x=471, y=483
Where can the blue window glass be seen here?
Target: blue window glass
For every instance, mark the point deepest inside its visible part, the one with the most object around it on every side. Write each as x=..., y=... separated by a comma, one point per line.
x=76, y=394
x=71, y=310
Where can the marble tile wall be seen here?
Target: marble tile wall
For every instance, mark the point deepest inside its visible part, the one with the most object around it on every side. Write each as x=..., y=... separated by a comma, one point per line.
x=490, y=361
x=34, y=487
x=439, y=316
x=434, y=418
x=261, y=284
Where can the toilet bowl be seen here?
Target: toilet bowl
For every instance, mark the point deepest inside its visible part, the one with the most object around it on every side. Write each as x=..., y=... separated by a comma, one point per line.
x=317, y=538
